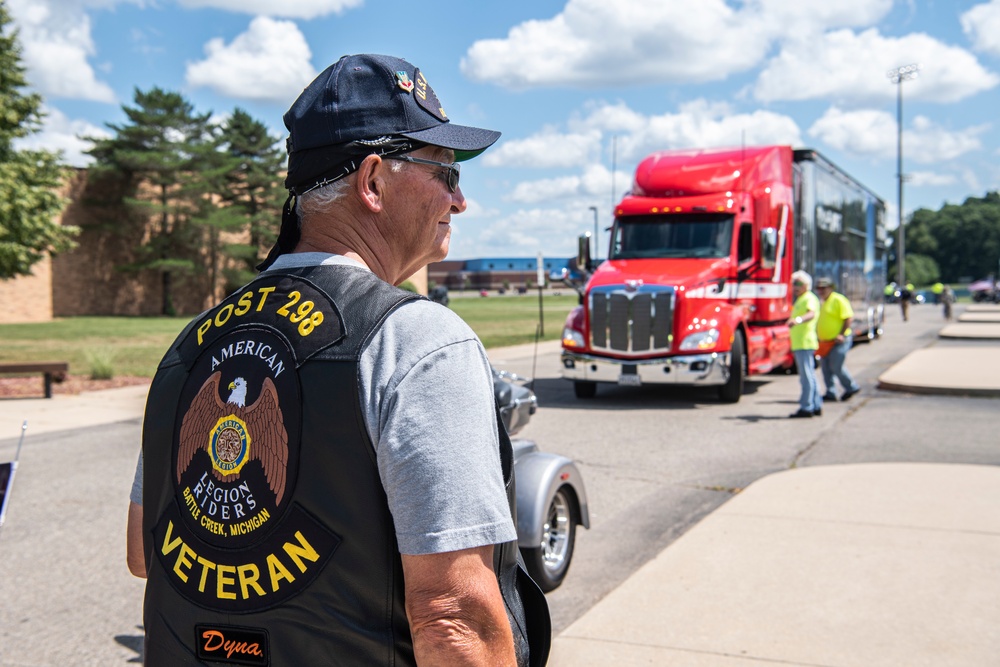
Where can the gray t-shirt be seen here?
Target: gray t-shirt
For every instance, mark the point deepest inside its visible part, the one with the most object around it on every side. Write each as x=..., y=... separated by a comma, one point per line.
x=427, y=392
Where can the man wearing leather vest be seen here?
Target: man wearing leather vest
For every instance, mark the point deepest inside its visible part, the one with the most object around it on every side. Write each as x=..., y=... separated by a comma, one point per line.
x=324, y=477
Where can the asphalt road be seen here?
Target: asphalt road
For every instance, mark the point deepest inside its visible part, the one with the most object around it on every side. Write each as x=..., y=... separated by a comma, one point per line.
x=654, y=460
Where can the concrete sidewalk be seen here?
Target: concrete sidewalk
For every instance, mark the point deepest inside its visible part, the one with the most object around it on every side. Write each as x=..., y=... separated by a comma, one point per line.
x=877, y=564
x=71, y=411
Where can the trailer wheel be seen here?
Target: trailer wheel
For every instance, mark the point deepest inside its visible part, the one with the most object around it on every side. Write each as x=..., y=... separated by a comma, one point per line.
x=733, y=389
x=549, y=563
x=584, y=389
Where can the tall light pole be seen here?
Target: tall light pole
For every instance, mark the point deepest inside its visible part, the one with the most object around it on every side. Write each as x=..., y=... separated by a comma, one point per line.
x=597, y=243
x=898, y=76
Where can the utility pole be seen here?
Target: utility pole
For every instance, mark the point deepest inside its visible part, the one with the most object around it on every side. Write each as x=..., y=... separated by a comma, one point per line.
x=597, y=242
x=898, y=76
x=614, y=166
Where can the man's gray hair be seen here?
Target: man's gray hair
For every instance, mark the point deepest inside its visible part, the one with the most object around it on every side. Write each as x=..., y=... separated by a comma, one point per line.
x=804, y=278
x=317, y=201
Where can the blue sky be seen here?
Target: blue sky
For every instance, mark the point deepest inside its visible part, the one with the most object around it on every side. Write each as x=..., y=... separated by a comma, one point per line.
x=566, y=82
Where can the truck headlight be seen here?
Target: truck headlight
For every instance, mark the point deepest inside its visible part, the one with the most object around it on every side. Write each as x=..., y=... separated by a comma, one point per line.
x=572, y=338
x=701, y=340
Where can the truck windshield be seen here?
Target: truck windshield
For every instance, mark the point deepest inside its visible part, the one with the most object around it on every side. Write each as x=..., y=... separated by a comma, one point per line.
x=685, y=235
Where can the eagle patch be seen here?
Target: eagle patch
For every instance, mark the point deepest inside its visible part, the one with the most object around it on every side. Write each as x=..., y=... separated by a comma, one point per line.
x=234, y=464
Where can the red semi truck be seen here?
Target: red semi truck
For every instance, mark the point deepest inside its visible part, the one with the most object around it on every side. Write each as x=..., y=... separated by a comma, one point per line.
x=696, y=288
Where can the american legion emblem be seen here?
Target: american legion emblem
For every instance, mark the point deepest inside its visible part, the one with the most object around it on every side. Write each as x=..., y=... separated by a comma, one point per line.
x=234, y=540
x=236, y=434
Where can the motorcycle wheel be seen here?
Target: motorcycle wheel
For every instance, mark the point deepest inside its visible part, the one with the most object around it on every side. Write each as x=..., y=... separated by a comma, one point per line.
x=549, y=563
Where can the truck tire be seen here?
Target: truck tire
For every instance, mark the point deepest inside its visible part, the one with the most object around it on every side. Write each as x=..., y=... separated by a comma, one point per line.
x=733, y=389
x=549, y=563
x=584, y=389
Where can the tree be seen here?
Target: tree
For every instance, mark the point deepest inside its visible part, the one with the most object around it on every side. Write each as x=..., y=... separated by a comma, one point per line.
x=963, y=239
x=920, y=269
x=162, y=154
x=29, y=179
x=248, y=183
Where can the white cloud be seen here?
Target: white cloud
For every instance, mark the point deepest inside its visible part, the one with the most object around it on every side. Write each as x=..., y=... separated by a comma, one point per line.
x=476, y=211
x=865, y=132
x=594, y=183
x=57, y=43
x=270, y=61
x=873, y=133
x=526, y=231
x=982, y=25
x=59, y=133
x=799, y=17
x=972, y=180
x=927, y=142
x=546, y=189
x=547, y=149
x=621, y=42
x=929, y=179
x=552, y=230
x=602, y=42
x=301, y=9
x=844, y=65
x=697, y=123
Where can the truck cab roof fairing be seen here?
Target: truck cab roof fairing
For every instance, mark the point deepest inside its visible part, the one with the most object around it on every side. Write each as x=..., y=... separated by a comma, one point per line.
x=692, y=173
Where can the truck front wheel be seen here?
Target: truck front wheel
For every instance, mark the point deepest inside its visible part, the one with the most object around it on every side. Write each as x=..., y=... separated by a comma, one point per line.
x=584, y=389
x=733, y=389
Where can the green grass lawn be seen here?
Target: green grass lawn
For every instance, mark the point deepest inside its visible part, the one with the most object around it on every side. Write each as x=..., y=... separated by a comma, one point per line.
x=134, y=345
x=511, y=320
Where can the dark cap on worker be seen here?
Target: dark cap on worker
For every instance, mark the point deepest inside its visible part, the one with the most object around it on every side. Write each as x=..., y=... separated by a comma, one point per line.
x=362, y=105
x=365, y=104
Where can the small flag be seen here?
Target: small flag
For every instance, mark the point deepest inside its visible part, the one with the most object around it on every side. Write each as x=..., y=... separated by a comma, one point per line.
x=7, y=471
x=6, y=482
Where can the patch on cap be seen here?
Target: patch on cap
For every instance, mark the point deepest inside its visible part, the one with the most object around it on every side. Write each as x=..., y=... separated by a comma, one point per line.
x=426, y=97
x=403, y=81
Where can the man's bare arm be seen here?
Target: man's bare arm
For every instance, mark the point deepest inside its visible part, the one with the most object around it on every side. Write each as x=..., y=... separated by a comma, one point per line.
x=456, y=613
x=136, y=555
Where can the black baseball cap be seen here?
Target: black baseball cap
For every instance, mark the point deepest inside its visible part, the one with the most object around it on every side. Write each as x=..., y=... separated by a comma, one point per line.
x=365, y=104
x=362, y=105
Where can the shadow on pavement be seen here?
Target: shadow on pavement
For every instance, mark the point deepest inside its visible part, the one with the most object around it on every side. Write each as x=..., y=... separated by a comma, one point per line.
x=133, y=643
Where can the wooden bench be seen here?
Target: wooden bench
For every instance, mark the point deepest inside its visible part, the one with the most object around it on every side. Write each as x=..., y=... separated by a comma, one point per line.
x=54, y=371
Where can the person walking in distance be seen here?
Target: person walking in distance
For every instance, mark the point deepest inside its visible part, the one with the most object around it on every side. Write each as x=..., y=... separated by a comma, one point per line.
x=905, y=294
x=947, y=301
x=802, y=330
x=304, y=501
x=835, y=338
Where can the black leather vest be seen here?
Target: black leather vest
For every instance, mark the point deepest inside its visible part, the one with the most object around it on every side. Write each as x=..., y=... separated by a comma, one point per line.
x=267, y=533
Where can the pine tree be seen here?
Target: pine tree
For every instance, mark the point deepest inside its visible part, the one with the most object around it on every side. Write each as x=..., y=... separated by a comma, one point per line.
x=163, y=153
x=29, y=179
x=249, y=189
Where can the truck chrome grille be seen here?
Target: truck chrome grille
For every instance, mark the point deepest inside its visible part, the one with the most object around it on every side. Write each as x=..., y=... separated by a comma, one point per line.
x=632, y=322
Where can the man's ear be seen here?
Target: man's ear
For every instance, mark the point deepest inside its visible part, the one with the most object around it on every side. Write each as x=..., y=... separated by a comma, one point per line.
x=370, y=183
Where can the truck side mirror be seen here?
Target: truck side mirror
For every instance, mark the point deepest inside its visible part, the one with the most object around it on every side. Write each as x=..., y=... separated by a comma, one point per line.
x=768, y=247
x=583, y=261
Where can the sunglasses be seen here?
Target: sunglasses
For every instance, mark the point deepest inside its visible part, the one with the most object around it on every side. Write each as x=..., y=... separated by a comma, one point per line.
x=451, y=178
